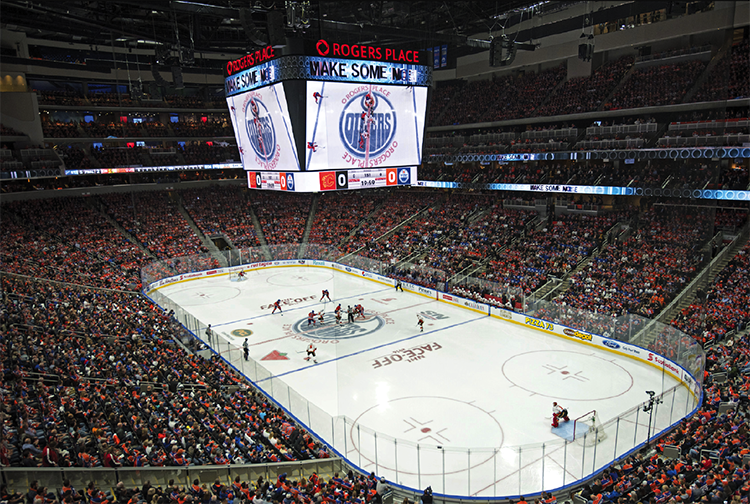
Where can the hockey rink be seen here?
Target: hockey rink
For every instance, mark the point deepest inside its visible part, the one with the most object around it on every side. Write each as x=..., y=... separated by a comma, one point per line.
x=464, y=407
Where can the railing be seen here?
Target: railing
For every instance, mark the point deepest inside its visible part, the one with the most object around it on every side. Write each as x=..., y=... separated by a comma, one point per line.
x=19, y=478
x=482, y=472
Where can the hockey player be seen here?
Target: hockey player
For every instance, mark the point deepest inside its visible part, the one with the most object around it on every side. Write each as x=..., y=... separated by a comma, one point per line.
x=360, y=311
x=241, y=275
x=276, y=305
x=559, y=412
x=320, y=317
x=338, y=317
x=325, y=295
x=338, y=309
x=311, y=353
x=311, y=318
x=420, y=323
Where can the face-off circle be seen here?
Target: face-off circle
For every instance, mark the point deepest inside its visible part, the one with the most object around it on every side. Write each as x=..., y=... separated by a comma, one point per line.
x=303, y=279
x=330, y=330
x=567, y=375
x=199, y=296
x=437, y=424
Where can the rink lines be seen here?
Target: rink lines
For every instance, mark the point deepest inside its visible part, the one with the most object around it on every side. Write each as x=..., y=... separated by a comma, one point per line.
x=417, y=335
x=301, y=307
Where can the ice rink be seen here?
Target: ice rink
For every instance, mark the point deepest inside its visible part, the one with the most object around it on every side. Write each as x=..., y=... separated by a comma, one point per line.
x=464, y=406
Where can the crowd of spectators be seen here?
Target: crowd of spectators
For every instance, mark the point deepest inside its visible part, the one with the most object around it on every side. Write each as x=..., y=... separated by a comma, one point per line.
x=74, y=158
x=66, y=240
x=97, y=382
x=282, y=217
x=398, y=207
x=657, y=85
x=59, y=129
x=155, y=221
x=209, y=153
x=730, y=78
x=8, y=131
x=60, y=98
x=470, y=103
x=103, y=99
x=193, y=102
x=520, y=96
x=441, y=97
x=154, y=129
x=550, y=251
x=222, y=210
x=213, y=128
x=641, y=274
x=115, y=157
x=471, y=232
x=111, y=129
x=586, y=94
x=724, y=307
x=338, y=214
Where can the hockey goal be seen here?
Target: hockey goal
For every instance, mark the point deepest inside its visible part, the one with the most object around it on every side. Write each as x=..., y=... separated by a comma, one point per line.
x=234, y=276
x=588, y=430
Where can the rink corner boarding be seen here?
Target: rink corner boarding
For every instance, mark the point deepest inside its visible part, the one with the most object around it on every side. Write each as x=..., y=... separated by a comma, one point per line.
x=582, y=337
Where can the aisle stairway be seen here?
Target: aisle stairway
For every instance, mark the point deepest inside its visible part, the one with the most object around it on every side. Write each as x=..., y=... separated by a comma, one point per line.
x=308, y=226
x=211, y=246
x=705, y=278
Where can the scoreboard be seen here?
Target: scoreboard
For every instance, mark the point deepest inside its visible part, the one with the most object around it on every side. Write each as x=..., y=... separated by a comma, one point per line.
x=337, y=117
x=330, y=180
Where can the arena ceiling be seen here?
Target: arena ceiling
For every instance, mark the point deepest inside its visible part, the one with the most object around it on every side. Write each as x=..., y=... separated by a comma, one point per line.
x=232, y=26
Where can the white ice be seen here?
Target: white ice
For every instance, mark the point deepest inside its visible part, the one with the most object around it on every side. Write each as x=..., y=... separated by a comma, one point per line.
x=464, y=406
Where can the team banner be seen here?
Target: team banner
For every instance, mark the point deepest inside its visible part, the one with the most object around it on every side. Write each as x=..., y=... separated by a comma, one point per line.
x=352, y=125
x=263, y=131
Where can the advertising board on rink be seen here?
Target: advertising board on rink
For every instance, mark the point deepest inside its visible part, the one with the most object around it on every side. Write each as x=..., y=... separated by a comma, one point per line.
x=583, y=337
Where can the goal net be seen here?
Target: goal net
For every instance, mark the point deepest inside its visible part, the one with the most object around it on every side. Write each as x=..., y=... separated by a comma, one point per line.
x=588, y=430
x=234, y=276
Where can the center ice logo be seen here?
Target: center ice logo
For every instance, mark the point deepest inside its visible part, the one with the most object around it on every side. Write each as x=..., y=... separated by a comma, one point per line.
x=367, y=124
x=260, y=129
x=333, y=331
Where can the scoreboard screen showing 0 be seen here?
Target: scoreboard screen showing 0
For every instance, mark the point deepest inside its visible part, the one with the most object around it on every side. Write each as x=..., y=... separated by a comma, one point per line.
x=356, y=125
x=260, y=119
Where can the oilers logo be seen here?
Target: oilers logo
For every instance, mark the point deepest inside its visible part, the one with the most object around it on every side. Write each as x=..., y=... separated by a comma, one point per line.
x=333, y=331
x=367, y=124
x=260, y=129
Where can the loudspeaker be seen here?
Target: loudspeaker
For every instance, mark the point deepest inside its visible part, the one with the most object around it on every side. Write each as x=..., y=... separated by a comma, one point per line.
x=275, y=27
x=251, y=32
x=177, y=77
x=157, y=76
x=502, y=51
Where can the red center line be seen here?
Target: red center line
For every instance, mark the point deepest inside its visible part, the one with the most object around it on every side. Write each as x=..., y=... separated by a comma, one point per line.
x=313, y=331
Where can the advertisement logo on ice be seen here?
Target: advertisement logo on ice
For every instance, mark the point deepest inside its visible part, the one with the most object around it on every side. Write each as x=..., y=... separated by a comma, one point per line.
x=367, y=124
x=260, y=129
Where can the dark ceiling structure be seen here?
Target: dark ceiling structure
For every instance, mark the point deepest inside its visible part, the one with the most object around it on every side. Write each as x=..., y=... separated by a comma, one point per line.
x=226, y=26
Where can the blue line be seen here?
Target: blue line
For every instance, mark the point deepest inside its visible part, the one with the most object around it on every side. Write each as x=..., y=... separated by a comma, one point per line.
x=298, y=308
x=416, y=126
x=283, y=117
x=379, y=346
x=315, y=128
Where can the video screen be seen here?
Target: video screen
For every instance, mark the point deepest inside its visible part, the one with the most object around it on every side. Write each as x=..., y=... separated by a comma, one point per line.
x=263, y=129
x=350, y=125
